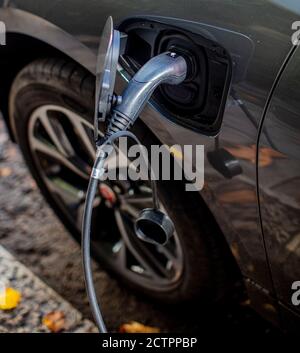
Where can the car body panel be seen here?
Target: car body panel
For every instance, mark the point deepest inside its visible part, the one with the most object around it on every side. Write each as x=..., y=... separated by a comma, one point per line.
x=25, y=23
x=267, y=24
x=279, y=182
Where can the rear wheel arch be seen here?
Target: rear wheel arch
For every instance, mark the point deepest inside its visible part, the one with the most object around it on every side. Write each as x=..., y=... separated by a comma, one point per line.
x=29, y=37
x=19, y=51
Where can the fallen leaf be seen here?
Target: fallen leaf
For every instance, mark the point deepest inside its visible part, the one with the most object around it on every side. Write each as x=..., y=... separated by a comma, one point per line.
x=235, y=250
x=136, y=327
x=266, y=154
x=9, y=298
x=55, y=321
x=246, y=302
x=238, y=196
x=269, y=307
x=5, y=172
x=243, y=152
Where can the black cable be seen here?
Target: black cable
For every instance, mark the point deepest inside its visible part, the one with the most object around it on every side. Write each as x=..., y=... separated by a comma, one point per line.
x=86, y=254
x=86, y=227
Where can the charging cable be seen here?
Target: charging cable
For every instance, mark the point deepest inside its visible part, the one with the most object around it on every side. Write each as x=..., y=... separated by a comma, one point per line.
x=96, y=175
x=152, y=226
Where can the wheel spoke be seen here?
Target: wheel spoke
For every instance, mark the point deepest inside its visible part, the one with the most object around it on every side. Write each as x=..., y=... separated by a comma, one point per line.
x=66, y=190
x=170, y=256
x=83, y=136
x=55, y=134
x=119, y=249
x=47, y=149
x=149, y=260
x=132, y=204
x=155, y=262
x=138, y=199
x=130, y=210
x=132, y=247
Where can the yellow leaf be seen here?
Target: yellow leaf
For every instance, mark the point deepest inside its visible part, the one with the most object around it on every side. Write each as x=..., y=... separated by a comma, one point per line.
x=246, y=302
x=5, y=171
x=266, y=154
x=9, y=298
x=136, y=327
x=243, y=152
x=55, y=321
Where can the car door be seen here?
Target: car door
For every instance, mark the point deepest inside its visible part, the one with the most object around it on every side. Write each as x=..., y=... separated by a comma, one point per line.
x=279, y=185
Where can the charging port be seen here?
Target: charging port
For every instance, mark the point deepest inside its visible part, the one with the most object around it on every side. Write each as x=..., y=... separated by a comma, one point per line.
x=197, y=103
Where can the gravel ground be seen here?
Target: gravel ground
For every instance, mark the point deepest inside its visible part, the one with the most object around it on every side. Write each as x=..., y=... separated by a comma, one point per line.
x=29, y=230
x=38, y=301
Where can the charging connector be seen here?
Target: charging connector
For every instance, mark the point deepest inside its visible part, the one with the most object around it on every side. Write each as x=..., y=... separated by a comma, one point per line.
x=167, y=68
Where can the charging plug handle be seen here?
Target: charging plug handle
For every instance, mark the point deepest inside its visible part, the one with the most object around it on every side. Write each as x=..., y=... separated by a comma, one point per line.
x=168, y=67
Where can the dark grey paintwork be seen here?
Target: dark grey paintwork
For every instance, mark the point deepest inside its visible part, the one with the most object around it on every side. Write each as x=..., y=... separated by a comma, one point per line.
x=267, y=24
x=279, y=182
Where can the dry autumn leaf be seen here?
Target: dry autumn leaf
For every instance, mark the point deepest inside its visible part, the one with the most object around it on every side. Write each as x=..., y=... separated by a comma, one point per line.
x=5, y=172
x=235, y=250
x=9, y=298
x=55, y=321
x=238, y=196
x=266, y=154
x=136, y=327
x=243, y=152
x=246, y=302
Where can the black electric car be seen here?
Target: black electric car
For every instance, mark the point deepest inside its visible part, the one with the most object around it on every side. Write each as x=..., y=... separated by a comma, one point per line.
x=240, y=100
